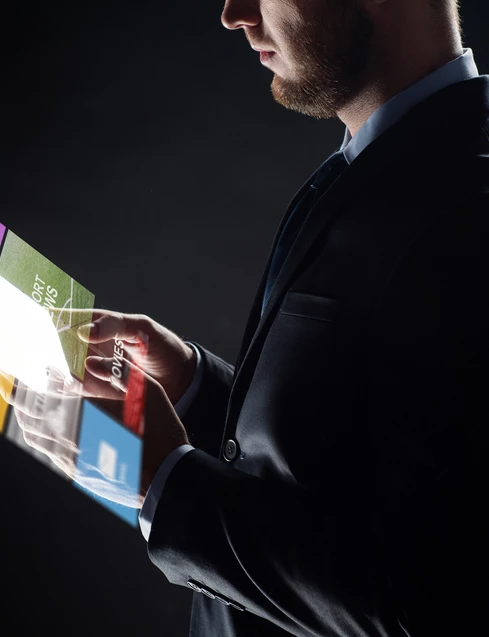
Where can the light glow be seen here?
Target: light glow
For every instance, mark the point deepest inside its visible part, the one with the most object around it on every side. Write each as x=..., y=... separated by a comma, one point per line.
x=29, y=342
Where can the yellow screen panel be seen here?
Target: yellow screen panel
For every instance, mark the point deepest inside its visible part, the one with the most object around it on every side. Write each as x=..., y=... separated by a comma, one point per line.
x=6, y=384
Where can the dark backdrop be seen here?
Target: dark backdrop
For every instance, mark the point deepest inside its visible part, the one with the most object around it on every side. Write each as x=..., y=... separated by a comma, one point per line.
x=142, y=152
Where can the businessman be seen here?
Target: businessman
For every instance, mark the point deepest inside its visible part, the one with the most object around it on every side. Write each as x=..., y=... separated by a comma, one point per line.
x=333, y=482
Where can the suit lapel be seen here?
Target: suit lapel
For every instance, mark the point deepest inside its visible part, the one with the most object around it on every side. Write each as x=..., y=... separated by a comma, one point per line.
x=447, y=128
x=255, y=313
x=320, y=217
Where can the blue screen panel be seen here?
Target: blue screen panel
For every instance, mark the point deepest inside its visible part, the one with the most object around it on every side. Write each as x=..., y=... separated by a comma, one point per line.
x=110, y=457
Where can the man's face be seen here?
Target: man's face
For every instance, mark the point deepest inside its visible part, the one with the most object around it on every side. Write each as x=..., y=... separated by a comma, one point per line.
x=321, y=49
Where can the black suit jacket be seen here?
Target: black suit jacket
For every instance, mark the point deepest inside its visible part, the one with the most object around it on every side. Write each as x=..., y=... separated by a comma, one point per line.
x=355, y=503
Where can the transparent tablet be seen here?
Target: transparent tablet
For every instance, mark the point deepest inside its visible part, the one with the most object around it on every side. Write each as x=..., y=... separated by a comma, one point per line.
x=96, y=442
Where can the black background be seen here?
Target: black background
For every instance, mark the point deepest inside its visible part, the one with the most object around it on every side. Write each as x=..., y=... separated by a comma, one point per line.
x=142, y=152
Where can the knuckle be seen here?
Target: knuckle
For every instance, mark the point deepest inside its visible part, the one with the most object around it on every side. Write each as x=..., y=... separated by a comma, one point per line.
x=119, y=321
x=143, y=320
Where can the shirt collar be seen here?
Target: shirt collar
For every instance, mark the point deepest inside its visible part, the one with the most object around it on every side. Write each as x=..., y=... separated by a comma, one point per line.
x=457, y=70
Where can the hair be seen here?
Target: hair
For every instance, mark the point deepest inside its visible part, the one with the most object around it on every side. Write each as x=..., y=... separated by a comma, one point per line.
x=447, y=10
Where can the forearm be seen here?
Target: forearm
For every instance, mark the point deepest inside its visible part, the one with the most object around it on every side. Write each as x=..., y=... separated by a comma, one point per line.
x=273, y=548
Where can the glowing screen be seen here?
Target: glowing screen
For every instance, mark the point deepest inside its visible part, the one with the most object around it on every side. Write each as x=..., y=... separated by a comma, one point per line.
x=95, y=444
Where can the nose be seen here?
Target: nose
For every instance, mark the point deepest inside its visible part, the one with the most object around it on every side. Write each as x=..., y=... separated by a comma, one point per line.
x=240, y=13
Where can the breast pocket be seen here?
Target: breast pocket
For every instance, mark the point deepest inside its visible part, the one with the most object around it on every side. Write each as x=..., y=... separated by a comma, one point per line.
x=297, y=349
x=296, y=387
x=303, y=305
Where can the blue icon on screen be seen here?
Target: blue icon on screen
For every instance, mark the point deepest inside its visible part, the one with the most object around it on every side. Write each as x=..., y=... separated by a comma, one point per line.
x=110, y=456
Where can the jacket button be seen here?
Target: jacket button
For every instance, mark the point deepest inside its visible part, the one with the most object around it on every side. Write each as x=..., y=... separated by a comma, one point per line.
x=231, y=450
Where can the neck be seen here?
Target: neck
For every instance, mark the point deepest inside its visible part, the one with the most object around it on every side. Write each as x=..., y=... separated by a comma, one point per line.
x=395, y=63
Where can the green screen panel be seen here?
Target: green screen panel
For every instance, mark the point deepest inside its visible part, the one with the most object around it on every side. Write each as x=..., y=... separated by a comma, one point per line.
x=50, y=287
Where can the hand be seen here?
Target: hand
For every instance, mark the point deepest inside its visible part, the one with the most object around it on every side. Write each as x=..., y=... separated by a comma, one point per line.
x=48, y=423
x=49, y=429
x=168, y=360
x=163, y=429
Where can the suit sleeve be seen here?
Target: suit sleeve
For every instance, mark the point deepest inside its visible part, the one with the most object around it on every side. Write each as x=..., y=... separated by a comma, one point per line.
x=156, y=487
x=224, y=376
x=268, y=547
x=315, y=564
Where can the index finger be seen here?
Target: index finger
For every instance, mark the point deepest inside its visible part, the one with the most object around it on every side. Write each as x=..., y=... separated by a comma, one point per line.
x=106, y=325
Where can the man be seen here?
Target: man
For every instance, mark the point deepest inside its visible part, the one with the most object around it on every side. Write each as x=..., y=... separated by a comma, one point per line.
x=332, y=482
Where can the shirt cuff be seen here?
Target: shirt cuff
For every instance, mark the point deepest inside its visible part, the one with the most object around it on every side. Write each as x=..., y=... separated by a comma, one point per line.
x=181, y=407
x=156, y=487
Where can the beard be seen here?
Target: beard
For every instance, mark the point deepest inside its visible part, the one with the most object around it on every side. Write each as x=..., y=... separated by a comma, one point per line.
x=331, y=54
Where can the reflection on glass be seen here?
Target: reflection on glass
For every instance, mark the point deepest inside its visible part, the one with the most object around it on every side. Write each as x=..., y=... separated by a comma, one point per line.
x=30, y=344
x=96, y=442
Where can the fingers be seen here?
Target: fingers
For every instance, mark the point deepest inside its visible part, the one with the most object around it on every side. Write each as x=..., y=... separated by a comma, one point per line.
x=63, y=460
x=47, y=417
x=30, y=401
x=102, y=382
x=41, y=433
x=99, y=367
x=106, y=326
x=97, y=381
x=103, y=370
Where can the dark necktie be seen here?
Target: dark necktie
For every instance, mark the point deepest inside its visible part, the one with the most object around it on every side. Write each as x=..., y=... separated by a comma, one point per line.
x=325, y=176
